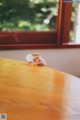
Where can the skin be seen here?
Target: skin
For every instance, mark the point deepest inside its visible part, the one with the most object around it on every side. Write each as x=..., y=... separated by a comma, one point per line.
x=38, y=59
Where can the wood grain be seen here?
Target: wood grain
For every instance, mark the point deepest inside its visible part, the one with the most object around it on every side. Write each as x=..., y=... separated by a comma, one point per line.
x=30, y=92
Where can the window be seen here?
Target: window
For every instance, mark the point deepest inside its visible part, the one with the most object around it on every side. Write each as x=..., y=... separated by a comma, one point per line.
x=12, y=38
x=67, y=7
x=37, y=15
x=53, y=38
x=75, y=23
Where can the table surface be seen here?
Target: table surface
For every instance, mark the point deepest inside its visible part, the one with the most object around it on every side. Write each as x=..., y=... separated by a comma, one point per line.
x=30, y=92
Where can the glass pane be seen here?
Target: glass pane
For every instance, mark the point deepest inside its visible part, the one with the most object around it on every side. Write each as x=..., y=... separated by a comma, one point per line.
x=75, y=23
x=28, y=15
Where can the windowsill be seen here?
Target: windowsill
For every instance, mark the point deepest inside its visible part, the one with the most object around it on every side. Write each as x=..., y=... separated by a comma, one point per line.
x=37, y=46
x=70, y=45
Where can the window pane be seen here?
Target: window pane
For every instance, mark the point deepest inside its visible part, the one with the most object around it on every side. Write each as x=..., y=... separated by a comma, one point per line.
x=28, y=15
x=75, y=23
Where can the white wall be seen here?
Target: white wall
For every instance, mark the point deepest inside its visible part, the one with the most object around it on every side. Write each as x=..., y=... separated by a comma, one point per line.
x=67, y=60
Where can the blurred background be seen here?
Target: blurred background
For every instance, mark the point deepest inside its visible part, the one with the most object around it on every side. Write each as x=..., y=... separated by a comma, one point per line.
x=35, y=15
x=29, y=15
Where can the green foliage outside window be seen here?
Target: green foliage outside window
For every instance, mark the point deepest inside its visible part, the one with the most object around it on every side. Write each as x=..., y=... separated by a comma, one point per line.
x=16, y=15
x=31, y=15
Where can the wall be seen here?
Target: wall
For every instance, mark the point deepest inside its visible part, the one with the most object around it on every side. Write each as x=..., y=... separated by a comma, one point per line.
x=67, y=60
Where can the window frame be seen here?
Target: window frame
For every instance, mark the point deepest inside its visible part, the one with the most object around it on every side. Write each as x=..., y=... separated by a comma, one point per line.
x=53, y=39
x=64, y=23
x=35, y=40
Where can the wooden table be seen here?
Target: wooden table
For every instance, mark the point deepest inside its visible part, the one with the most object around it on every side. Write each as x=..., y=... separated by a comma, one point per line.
x=30, y=92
